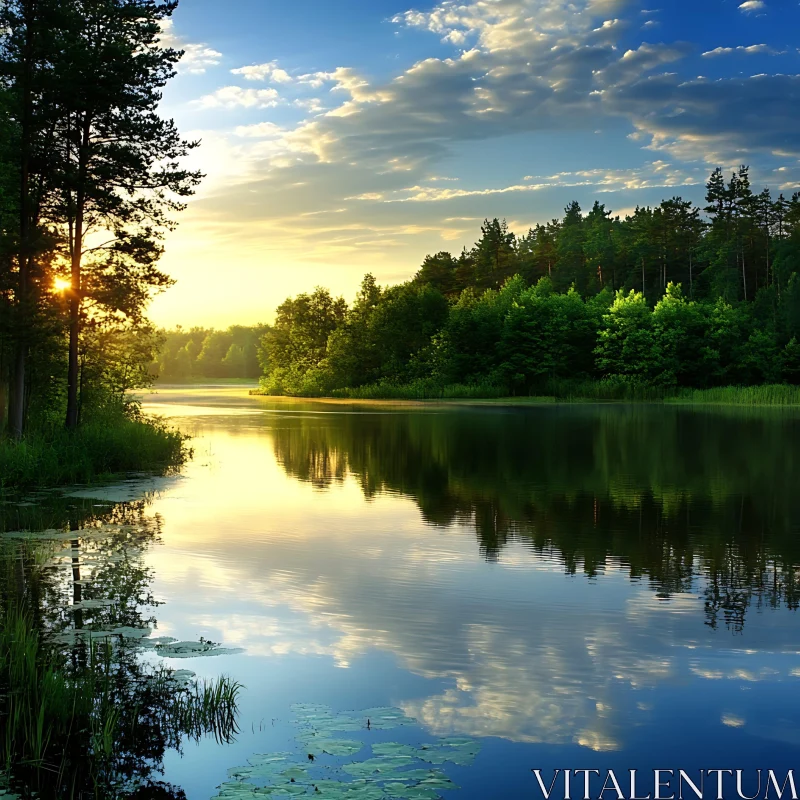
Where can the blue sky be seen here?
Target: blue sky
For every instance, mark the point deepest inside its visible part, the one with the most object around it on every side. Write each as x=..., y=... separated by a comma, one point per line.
x=348, y=136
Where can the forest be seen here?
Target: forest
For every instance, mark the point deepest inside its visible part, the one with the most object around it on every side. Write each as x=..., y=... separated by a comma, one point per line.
x=90, y=182
x=668, y=298
x=209, y=353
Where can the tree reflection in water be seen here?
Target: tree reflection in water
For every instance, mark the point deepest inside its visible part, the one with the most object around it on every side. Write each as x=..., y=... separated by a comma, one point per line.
x=82, y=713
x=680, y=498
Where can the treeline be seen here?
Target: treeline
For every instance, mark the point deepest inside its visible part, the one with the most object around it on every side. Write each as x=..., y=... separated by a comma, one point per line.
x=90, y=179
x=667, y=297
x=209, y=353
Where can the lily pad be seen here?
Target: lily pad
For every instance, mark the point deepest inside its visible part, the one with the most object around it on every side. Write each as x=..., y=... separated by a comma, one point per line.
x=194, y=650
x=183, y=677
x=90, y=605
x=340, y=747
x=394, y=772
x=457, y=751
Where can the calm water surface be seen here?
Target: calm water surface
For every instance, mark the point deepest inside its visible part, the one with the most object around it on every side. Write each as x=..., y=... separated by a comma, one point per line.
x=579, y=587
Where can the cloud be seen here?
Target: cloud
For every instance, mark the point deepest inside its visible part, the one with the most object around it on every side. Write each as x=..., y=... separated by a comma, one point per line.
x=197, y=58
x=264, y=72
x=523, y=68
x=261, y=130
x=643, y=60
x=235, y=96
x=751, y=50
x=749, y=6
x=705, y=119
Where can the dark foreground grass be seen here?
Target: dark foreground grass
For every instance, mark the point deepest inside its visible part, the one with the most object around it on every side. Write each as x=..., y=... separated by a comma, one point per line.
x=96, y=451
x=75, y=723
x=572, y=391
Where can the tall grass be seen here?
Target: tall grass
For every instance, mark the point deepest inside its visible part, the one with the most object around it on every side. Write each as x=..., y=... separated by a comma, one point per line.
x=768, y=395
x=605, y=390
x=424, y=389
x=579, y=391
x=62, y=724
x=95, y=451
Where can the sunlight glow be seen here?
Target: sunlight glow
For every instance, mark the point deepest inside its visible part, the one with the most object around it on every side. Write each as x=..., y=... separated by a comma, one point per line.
x=62, y=284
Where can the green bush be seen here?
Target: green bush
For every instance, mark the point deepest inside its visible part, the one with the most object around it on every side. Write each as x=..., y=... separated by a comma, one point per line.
x=106, y=446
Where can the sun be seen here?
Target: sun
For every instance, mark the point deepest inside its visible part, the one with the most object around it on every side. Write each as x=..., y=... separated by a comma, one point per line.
x=62, y=284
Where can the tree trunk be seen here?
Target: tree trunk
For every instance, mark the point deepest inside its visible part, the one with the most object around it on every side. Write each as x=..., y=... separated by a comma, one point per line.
x=744, y=277
x=16, y=400
x=75, y=288
x=72, y=372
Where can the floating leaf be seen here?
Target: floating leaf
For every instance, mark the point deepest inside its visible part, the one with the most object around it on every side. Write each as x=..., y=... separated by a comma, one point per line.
x=340, y=747
x=381, y=765
x=394, y=772
x=90, y=605
x=457, y=751
x=194, y=650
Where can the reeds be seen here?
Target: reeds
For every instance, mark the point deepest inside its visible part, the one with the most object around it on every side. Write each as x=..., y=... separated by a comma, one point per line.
x=581, y=391
x=768, y=395
x=423, y=389
x=207, y=707
x=63, y=721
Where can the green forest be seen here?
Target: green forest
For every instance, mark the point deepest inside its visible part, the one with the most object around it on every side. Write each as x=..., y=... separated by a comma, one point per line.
x=669, y=298
x=90, y=182
x=209, y=353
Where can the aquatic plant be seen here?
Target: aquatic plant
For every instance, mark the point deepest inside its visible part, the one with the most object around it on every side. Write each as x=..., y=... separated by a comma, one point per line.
x=80, y=710
x=394, y=771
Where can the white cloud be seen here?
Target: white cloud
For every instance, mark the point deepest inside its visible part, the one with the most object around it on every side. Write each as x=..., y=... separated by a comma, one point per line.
x=751, y=50
x=752, y=5
x=264, y=72
x=235, y=96
x=527, y=67
x=261, y=130
x=197, y=58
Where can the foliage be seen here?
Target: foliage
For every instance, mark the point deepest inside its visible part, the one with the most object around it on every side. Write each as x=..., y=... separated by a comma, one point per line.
x=208, y=353
x=90, y=180
x=112, y=443
x=662, y=300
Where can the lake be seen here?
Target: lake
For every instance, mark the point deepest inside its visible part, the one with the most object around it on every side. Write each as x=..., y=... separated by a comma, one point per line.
x=577, y=587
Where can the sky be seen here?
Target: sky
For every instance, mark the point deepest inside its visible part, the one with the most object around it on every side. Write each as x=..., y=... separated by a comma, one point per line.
x=352, y=136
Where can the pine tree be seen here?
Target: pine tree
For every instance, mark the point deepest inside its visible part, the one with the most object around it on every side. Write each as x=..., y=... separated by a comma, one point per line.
x=120, y=172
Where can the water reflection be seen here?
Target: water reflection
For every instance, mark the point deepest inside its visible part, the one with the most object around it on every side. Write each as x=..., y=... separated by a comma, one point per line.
x=82, y=713
x=666, y=494
x=580, y=581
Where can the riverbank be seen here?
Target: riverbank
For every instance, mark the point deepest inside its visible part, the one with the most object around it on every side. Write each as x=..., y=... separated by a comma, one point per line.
x=777, y=395
x=97, y=451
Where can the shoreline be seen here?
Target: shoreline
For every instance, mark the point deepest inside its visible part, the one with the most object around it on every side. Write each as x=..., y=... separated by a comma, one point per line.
x=516, y=402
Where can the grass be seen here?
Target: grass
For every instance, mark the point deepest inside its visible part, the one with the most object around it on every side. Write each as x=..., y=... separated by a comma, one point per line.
x=769, y=395
x=63, y=725
x=204, y=382
x=96, y=451
x=421, y=390
x=575, y=391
